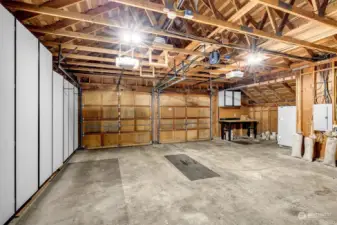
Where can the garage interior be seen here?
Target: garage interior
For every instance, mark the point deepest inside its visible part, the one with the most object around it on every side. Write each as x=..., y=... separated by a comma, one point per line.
x=139, y=112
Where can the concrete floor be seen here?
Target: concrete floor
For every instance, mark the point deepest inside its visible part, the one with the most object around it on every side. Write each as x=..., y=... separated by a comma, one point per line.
x=258, y=184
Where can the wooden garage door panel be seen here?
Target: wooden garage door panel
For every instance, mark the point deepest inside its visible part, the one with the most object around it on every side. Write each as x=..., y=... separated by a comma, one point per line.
x=142, y=99
x=172, y=100
x=192, y=135
x=197, y=100
x=109, y=98
x=91, y=112
x=204, y=134
x=204, y=123
x=91, y=127
x=143, y=112
x=110, y=126
x=92, y=98
x=179, y=112
x=143, y=125
x=92, y=141
x=127, y=112
x=127, y=125
x=109, y=112
x=166, y=112
x=166, y=124
x=127, y=98
x=111, y=140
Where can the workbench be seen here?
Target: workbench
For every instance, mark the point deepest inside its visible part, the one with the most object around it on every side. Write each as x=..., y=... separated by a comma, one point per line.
x=246, y=124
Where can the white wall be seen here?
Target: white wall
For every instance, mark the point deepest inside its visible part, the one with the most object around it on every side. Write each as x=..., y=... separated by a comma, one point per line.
x=57, y=121
x=76, y=118
x=26, y=114
x=7, y=115
x=71, y=118
x=34, y=116
x=65, y=120
x=46, y=101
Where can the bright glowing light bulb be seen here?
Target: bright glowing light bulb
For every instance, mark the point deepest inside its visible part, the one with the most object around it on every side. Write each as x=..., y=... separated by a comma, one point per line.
x=255, y=58
x=126, y=36
x=136, y=38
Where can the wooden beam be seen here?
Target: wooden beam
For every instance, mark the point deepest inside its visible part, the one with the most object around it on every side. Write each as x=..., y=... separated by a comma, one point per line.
x=89, y=19
x=287, y=86
x=261, y=94
x=271, y=16
x=249, y=95
x=135, y=73
x=151, y=17
x=58, y=4
x=231, y=26
x=110, y=51
x=277, y=95
x=296, y=11
x=160, y=8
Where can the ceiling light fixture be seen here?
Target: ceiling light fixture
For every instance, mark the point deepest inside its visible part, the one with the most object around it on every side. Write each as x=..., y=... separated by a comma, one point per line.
x=255, y=58
x=129, y=37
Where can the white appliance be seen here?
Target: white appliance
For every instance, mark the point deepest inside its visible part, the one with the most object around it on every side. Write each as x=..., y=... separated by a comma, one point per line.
x=322, y=116
x=286, y=125
x=234, y=74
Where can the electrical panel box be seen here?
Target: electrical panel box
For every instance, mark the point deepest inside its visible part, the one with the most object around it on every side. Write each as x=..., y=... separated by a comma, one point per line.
x=322, y=117
x=286, y=125
x=221, y=98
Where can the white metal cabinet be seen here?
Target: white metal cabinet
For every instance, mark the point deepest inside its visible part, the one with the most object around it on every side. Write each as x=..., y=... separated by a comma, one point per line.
x=286, y=125
x=228, y=98
x=322, y=116
x=221, y=98
x=237, y=98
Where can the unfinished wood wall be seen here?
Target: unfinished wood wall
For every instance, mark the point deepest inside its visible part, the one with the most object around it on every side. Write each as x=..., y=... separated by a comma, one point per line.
x=184, y=117
x=309, y=91
x=267, y=117
x=112, y=118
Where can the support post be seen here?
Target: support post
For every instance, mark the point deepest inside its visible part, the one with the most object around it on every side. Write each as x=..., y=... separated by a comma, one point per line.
x=211, y=109
x=158, y=116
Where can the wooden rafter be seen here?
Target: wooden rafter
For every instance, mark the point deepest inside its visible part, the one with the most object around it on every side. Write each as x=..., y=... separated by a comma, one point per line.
x=249, y=95
x=285, y=19
x=275, y=93
x=261, y=94
x=287, y=8
x=229, y=25
x=287, y=86
x=271, y=16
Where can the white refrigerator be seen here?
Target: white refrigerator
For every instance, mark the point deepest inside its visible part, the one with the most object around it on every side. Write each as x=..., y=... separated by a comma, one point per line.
x=286, y=125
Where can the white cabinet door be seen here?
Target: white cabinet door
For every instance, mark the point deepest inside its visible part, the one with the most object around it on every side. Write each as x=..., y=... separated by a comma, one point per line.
x=237, y=98
x=221, y=98
x=228, y=98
